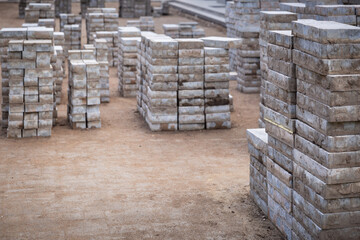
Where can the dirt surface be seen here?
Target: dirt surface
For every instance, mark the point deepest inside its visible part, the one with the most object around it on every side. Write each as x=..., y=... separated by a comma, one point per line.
x=125, y=182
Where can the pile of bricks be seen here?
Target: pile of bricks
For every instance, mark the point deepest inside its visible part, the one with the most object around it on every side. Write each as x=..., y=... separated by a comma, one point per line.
x=7, y=34
x=36, y=11
x=172, y=77
x=311, y=118
x=101, y=56
x=127, y=56
x=62, y=6
x=327, y=131
x=161, y=103
x=59, y=65
x=111, y=38
x=183, y=30
x=134, y=8
x=258, y=150
x=144, y=24
x=100, y=19
x=230, y=20
x=31, y=100
x=271, y=20
x=279, y=116
x=69, y=19
x=217, y=77
x=191, y=102
x=72, y=37
x=83, y=92
x=85, y=4
x=141, y=68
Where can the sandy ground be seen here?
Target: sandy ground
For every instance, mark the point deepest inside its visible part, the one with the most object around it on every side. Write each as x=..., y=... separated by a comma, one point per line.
x=125, y=182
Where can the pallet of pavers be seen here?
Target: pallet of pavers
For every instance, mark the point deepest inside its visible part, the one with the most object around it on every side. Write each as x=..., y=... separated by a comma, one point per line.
x=129, y=37
x=141, y=69
x=279, y=117
x=326, y=156
x=69, y=19
x=101, y=56
x=83, y=91
x=31, y=100
x=100, y=19
x=258, y=150
x=191, y=102
x=161, y=83
x=36, y=11
x=72, y=37
x=216, y=81
x=144, y=24
x=270, y=20
x=86, y=4
x=62, y=6
x=112, y=44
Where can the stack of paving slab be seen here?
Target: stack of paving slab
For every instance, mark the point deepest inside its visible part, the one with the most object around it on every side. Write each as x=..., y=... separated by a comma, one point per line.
x=84, y=92
x=279, y=111
x=100, y=19
x=47, y=22
x=111, y=38
x=101, y=55
x=247, y=27
x=141, y=68
x=129, y=37
x=69, y=19
x=183, y=30
x=230, y=19
x=144, y=24
x=270, y=20
x=134, y=8
x=62, y=6
x=191, y=102
x=216, y=81
x=326, y=155
x=22, y=6
x=72, y=37
x=59, y=65
x=31, y=100
x=258, y=150
x=85, y=4
x=161, y=102
x=7, y=34
x=338, y=13
x=36, y=11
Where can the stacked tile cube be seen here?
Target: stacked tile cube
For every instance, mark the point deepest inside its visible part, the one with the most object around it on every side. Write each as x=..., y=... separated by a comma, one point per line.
x=327, y=131
x=162, y=83
x=144, y=24
x=69, y=19
x=190, y=92
x=100, y=19
x=62, y=6
x=72, y=35
x=101, y=55
x=216, y=82
x=31, y=100
x=183, y=30
x=86, y=4
x=134, y=8
x=84, y=94
x=258, y=150
x=127, y=56
x=111, y=38
x=270, y=20
x=36, y=11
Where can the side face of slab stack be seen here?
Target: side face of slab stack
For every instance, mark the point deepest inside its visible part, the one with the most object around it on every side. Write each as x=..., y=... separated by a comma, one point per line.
x=31, y=100
x=327, y=130
x=144, y=24
x=100, y=19
x=111, y=38
x=191, y=102
x=85, y=4
x=183, y=30
x=101, y=55
x=129, y=37
x=36, y=11
x=62, y=6
x=84, y=94
x=134, y=8
x=270, y=20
